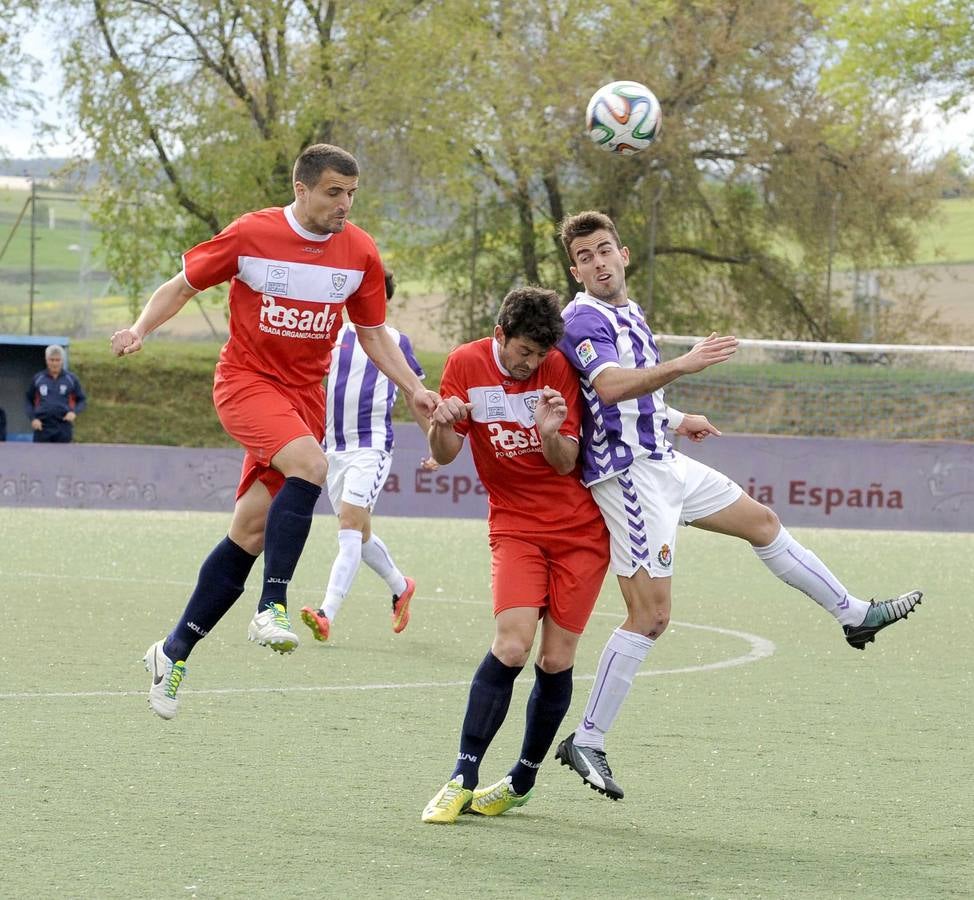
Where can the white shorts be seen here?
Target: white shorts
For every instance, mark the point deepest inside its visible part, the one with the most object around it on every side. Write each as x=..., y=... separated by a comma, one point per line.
x=643, y=506
x=356, y=477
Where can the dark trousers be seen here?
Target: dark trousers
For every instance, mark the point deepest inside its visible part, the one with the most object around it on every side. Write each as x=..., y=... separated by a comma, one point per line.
x=54, y=431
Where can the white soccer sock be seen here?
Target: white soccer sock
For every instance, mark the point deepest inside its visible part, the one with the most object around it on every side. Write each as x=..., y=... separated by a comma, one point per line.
x=802, y=569
x=343, y=571
x=623, y=655
x=376, y=556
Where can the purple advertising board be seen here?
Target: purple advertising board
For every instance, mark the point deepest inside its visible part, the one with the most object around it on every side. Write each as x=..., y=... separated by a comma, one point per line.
x=825, y=482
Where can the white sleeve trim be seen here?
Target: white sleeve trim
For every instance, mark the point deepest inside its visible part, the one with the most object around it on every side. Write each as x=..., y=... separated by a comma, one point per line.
x=674, y=416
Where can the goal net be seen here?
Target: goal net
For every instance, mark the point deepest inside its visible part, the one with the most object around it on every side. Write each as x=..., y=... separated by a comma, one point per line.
x=877, y=391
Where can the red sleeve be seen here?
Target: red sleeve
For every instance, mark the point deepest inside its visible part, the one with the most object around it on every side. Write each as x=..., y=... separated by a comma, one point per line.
x=367, y=306
x=452, y=385
x=565, y=381
x=214, y=261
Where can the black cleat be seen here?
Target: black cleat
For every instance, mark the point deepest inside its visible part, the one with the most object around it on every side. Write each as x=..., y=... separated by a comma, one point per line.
x=878, y=616
x=591, y=765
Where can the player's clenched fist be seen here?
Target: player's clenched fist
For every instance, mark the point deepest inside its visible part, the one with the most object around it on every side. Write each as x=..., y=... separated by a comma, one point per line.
x=125, y=342
x=451, y=410
x=424, y=402
x=551, y=411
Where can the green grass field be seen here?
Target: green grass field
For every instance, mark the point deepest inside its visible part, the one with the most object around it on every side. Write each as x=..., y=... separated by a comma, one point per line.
x=761, y=756
x=950, y=237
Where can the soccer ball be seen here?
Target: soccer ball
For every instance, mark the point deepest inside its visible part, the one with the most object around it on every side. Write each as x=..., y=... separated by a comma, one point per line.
x=623, y=117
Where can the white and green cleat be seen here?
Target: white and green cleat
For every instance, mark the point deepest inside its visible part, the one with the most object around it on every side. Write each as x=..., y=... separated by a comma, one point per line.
x=167, y=675
x=272, y=628
x=497, y=799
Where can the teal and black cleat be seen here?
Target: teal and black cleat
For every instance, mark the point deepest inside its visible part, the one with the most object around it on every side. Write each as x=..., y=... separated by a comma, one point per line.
x=878, y=616
x=591, y=765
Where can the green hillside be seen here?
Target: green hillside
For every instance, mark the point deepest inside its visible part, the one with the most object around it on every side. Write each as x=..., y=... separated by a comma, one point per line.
x=950, y=238
x=162, y=396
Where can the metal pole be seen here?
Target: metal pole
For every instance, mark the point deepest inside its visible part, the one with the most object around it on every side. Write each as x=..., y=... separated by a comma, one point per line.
x=828, y=274
x=33, y=240
x=651, y=256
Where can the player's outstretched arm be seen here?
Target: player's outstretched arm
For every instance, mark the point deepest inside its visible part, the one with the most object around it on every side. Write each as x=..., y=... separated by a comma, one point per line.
x=708, y=352
x=549, y=415
x=167, y=300
x=445, y=443
x=380, y=347
x=615, y=383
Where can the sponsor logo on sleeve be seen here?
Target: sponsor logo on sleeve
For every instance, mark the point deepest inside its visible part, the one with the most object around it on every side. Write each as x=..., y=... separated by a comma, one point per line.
x=276, y=280
x=586, y=352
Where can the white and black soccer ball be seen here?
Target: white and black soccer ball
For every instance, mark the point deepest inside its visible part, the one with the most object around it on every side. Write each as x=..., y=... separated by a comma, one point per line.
x=623, y=117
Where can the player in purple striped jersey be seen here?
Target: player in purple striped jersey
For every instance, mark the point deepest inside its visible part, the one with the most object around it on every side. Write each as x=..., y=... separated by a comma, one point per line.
x=358, y=445
x=645, y=489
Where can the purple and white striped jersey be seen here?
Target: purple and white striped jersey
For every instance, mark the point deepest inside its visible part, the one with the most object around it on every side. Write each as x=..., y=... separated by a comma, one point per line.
x=599, y=335
x=358, y=397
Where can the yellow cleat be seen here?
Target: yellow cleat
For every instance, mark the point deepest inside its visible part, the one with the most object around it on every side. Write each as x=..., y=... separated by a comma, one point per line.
x=497, y=799
x=450, y=800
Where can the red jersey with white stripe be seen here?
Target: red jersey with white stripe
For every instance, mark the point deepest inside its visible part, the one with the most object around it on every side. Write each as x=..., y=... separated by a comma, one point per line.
x=526, y=495
x=288, y=287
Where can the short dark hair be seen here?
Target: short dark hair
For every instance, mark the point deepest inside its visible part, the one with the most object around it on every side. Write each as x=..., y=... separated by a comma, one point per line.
x=582, y=225
x=533, y=313
x=390, y=282
x=321, y=157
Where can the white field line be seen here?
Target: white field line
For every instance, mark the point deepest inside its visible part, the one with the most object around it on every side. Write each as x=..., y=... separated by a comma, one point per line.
x=760, y=648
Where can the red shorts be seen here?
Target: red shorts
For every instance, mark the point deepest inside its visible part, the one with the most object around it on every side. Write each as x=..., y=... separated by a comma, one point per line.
x=561, y=573
x=262, y=416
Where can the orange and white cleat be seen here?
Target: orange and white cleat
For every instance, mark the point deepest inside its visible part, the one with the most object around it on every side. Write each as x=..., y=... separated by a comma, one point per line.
x=400, y=606
x=317, y=621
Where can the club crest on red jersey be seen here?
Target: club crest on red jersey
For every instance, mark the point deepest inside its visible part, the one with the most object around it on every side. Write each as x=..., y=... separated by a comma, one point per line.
x=338, y=279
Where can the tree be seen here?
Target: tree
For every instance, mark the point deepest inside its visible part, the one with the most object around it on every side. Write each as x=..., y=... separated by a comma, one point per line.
x=468, y=113
x=17, y=68
x=196, y=110
x=761, y=181
x=904, y=46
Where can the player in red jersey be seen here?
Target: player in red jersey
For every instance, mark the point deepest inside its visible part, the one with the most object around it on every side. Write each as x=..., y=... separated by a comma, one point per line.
x=292, y=272
x=516, y=397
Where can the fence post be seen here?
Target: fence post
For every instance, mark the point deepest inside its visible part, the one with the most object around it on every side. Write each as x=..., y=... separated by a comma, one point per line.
x=33, y=241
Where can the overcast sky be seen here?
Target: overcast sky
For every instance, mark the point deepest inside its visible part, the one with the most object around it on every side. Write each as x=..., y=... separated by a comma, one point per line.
x=18, y=137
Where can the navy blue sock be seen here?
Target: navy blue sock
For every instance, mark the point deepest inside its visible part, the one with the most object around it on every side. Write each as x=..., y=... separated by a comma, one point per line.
x=490, y=697
x=287, y=528
x=547, y=705
x=221, y=581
